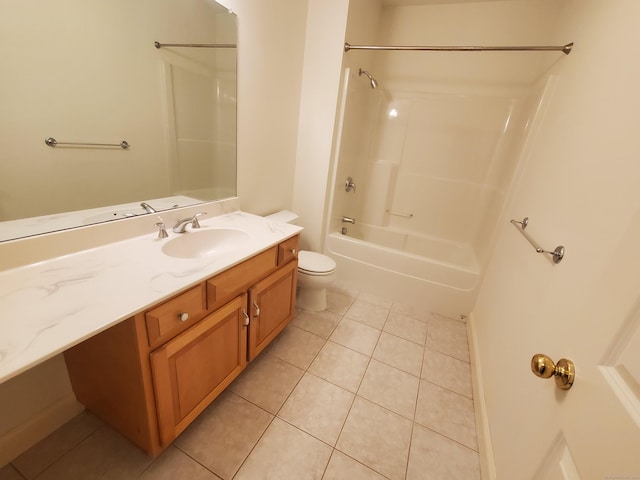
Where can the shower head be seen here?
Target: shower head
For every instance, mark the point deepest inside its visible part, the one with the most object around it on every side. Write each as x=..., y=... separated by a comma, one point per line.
x=372, y=80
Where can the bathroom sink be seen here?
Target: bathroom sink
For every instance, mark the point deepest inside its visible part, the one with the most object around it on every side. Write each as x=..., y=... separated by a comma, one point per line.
x=205, y=243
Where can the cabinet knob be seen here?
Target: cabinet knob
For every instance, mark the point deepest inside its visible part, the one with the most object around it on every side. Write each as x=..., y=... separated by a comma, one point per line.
x=257, y=309
x=184, y=316
x=246, y=318
x=293, y=252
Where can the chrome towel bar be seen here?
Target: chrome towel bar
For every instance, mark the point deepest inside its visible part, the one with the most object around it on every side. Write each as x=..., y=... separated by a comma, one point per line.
x=195, y=45
x=52, y=142
x=558, y=253
x=400, y=214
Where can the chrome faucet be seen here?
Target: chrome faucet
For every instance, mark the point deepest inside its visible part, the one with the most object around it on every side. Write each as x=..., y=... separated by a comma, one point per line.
x=181, y=225
x=349, y=186
x=348, y=220
x=148, y=208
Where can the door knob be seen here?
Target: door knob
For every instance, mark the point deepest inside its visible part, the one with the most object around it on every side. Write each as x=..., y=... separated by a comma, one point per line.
x=564, y=371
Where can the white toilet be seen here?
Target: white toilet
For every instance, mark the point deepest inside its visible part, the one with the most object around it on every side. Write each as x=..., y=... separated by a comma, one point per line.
x=315, y=272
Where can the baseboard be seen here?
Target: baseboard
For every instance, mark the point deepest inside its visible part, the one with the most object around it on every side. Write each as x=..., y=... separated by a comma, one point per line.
x=21, y=438
x=487, y=463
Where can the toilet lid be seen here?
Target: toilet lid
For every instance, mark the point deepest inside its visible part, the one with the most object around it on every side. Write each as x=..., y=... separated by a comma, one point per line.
x=315, y=263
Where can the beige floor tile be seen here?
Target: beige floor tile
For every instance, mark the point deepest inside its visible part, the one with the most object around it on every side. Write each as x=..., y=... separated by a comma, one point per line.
x=296, y=346
x=267, y=382
x=377, y=438
x=344, y=289
x=44, y=453
x=400, y=353
x=434, y=457
x=419, y=313
x=447, y=413
x=224, y=434
x=342, y=467
x=448, y=372
x=175, y=465
x=356, y=336
x=320, y=323
x=9, y=473
x=375, y=300
x=317, y=407
x=370, y=314
x=338, y=302
x=103, y=455
x=390, y=388
x=448, y=336
x=406, y=327
x=284, y=452
x=340, y=365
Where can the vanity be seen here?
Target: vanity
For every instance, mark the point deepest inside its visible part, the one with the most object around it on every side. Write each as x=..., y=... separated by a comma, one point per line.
x=151, y=338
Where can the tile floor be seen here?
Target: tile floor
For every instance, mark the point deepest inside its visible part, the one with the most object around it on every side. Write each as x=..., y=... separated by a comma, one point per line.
x=368, y=389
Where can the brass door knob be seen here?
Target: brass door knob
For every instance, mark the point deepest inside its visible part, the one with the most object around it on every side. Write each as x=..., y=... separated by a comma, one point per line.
x=564, y=371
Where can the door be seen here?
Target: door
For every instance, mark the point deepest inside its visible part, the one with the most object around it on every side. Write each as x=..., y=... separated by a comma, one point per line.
x=191, y=370
x=578, y=183
x=271, y=306
x=597, y=421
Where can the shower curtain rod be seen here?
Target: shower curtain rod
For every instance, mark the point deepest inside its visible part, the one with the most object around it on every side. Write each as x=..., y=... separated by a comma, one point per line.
x=195, y=45
x=566, y=49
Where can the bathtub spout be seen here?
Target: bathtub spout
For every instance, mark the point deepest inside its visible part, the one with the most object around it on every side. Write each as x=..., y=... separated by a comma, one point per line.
x=348, y=220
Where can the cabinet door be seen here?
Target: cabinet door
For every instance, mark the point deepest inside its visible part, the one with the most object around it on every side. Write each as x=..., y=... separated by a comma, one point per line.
x=191, y=370
x=272, y=307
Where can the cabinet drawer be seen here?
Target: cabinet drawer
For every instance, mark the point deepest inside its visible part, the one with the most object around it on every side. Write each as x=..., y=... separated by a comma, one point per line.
x=232, y=282
x=168, y=319
x=288, y=250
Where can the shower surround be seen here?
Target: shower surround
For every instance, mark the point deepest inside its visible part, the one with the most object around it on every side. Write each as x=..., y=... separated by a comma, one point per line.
x=433, y=151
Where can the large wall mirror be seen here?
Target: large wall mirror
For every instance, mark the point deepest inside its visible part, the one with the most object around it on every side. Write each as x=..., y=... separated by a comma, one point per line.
x=89, y=72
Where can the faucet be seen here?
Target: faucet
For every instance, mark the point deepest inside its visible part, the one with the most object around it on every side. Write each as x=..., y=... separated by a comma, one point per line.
x=148, y=208
x=349, y=185
x=348, y=220
x=181, y=225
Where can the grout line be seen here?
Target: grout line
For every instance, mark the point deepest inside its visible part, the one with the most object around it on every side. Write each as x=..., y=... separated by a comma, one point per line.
x=185, y=454
x=68, y=452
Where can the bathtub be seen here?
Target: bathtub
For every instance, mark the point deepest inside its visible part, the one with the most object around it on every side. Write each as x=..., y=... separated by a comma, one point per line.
x=438, y=275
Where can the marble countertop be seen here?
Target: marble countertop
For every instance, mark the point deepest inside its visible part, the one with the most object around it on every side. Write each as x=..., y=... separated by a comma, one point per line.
x=49, y=306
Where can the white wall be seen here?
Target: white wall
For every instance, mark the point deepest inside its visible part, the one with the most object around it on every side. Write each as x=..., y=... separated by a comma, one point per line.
x=579, y=186
x=34, y=404
x=326, y=23
x=271, y=40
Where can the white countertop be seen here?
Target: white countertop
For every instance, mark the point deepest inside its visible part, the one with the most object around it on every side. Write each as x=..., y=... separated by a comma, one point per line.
x=49, y=306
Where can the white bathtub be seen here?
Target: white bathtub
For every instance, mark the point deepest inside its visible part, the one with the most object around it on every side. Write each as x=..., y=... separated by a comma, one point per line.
x=436, y=274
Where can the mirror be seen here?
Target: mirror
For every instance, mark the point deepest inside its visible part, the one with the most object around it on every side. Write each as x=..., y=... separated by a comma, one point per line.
x=87, y=71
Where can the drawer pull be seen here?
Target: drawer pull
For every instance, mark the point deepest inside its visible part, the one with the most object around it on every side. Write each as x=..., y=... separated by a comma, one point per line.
x=184, y=316
x=246, y=318
x=257, y=309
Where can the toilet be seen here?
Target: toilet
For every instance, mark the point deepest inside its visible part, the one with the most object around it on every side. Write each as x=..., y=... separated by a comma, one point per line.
x=315, y=272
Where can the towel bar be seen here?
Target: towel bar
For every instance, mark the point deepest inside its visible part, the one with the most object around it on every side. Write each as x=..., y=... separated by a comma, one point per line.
x=558, y=253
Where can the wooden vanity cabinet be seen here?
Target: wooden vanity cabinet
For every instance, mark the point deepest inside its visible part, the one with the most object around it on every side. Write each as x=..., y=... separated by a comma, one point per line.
x=192, y=369
x=151, y=375
x=271, y=307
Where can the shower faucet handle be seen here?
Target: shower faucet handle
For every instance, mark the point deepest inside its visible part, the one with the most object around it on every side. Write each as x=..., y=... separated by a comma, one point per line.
x=349, y=185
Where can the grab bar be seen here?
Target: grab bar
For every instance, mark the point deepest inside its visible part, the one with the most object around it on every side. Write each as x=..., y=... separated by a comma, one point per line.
x=400, y=214
x=558, y=253
x=52, y=142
